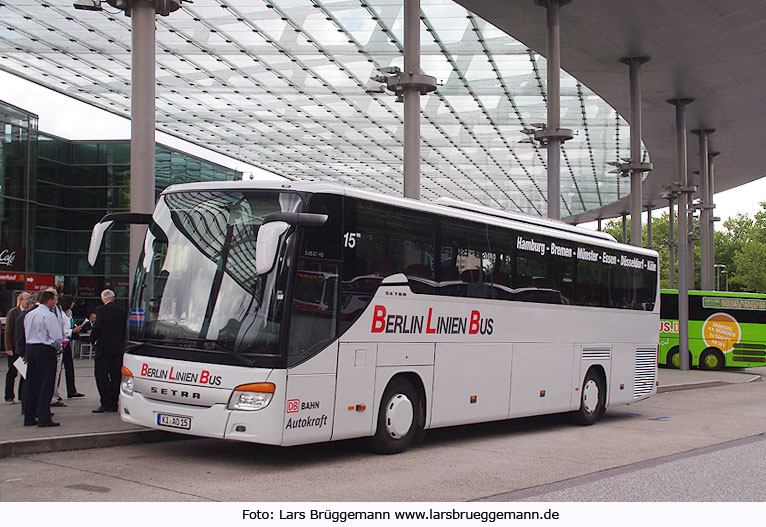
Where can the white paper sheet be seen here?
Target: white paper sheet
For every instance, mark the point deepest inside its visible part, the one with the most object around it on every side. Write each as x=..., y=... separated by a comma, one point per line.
x=21, y=366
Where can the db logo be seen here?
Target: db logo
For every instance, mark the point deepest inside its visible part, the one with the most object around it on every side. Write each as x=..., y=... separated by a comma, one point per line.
x=293, y=405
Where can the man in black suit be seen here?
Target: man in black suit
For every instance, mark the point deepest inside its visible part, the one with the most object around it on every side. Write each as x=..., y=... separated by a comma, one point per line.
x=108, y=339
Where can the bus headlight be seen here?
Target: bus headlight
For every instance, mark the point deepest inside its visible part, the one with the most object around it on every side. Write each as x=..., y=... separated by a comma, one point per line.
x=127, y=381
x=254, y=396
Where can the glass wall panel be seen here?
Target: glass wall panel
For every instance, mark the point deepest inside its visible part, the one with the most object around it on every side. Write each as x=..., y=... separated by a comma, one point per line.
x=85, y=154
x=52, y=192
x=12, y=213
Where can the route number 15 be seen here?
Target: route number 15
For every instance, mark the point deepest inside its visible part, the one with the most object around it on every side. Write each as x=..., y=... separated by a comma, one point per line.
x=349, y=239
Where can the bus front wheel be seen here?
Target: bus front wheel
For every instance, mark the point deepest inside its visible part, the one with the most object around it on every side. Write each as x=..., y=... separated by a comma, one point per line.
x=674, y=359
x=398, y=418
x=712, y=359
x=592, y=399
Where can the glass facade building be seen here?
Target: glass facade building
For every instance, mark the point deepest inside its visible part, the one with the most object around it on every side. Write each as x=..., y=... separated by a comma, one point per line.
x=54, y=190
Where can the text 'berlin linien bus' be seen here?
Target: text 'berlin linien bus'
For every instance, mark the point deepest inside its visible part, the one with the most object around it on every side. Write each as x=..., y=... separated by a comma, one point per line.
x=293, y=313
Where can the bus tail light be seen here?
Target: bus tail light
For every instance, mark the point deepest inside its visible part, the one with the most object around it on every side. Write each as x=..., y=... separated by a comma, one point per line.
x=127, y=381
x=254, y=396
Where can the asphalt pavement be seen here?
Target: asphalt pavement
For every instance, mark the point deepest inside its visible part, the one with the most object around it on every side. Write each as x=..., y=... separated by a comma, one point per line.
x=81, y=429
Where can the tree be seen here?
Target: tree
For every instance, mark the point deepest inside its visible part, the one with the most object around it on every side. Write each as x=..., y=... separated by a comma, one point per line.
x=750, y=253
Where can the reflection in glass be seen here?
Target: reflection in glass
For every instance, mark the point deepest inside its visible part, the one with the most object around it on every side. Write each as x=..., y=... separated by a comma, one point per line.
x=197, y=285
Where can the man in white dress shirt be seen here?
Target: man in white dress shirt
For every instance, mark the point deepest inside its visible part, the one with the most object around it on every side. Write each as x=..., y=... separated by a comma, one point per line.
x=43, y=333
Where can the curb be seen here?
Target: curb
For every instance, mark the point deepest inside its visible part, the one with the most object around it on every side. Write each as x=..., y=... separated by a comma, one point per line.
x=84, y=441
x=703, y=384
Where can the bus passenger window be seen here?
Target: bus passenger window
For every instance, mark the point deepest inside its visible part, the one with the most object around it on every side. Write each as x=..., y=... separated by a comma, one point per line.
x=383, y=240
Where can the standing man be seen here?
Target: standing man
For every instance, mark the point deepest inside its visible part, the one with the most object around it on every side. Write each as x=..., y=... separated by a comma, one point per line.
x=44, y=336
x=11, y=318
x=21, y=343
x=108, y=337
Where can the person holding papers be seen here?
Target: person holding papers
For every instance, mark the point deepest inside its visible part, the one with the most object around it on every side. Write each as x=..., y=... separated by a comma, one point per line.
x=22, y=303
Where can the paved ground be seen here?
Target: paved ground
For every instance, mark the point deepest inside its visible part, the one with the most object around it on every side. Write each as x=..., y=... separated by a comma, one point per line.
x=702, y=426
x=702, y=444
x=80, y=428
x=731, y=471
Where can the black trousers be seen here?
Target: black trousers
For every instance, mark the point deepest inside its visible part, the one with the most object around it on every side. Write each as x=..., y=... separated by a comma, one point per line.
x=10, y=378
x=41, y=374
x=68, y=366
x=108, y=372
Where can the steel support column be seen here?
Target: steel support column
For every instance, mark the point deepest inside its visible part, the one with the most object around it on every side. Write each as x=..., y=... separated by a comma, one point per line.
x=672, y=241
x=649, y=227
x=711, y=193
x=553, y=135
x=693, y=236
x=635, y=166
x=624, y=228
x=412, y=100
x=706, y=215
x=142, y=121
x=683, y=233
x=554, y=109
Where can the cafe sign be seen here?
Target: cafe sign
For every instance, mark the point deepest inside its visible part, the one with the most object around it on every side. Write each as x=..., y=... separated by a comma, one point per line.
x=12, y=258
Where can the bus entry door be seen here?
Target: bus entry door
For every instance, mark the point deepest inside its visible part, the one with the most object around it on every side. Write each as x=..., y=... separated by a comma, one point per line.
x=354, y=405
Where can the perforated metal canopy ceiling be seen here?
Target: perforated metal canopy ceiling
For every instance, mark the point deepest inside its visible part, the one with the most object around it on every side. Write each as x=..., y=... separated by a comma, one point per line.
x=285, y=85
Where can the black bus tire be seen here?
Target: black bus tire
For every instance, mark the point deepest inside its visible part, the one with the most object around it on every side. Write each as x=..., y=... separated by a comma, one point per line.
x=672, y=354
x=674, y=359
x=712, y=359
x=399, y=419
x=592, y=399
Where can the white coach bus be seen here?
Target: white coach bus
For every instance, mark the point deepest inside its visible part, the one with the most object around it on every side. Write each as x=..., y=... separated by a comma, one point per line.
x=293, y=313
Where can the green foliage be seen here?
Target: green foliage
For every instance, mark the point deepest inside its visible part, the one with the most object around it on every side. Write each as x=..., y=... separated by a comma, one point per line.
x=741, y=247
x=749, y=253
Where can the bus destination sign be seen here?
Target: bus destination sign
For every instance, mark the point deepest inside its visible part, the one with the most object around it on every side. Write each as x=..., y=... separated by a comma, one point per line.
x=751, y=304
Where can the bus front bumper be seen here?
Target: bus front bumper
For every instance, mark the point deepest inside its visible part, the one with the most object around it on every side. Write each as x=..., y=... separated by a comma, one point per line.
x=216, y=421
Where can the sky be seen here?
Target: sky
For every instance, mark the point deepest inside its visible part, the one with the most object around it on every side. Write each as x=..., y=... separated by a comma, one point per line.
x=72, y=119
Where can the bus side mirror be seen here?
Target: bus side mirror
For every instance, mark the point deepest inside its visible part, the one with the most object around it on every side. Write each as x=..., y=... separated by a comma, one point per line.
x=267, y=244
x=129, y=218
x=95, y=240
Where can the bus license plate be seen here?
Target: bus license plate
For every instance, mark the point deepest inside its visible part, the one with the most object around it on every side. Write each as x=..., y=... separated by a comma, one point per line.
x=174, y=421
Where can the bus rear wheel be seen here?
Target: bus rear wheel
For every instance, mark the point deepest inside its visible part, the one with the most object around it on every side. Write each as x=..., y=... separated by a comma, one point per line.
x=399, y=418
x=592, y=399
x=712, y=359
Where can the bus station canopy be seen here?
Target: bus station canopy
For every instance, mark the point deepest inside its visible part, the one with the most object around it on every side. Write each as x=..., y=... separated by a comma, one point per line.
x=286, y=85
x=713, y=51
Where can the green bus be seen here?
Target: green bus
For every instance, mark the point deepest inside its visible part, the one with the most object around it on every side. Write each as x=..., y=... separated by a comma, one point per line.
x=725, y=329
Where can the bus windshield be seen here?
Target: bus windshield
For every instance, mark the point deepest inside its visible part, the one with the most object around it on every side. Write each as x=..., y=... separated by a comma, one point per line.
x=196, y=284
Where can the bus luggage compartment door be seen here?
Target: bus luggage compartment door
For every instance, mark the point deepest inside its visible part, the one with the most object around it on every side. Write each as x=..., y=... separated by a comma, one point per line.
x=542, y=378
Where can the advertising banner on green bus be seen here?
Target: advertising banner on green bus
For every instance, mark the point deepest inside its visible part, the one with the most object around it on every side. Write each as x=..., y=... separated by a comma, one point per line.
x=715, y=302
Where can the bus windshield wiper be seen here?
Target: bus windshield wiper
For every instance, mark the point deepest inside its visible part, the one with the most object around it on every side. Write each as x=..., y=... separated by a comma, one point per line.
x=132, y=346
x=200, y=345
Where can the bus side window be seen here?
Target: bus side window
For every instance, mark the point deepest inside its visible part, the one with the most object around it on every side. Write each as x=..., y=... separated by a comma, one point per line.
x=544, y=278
x=466, y=259
x=381, y=240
